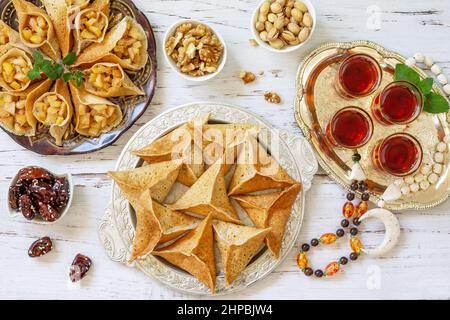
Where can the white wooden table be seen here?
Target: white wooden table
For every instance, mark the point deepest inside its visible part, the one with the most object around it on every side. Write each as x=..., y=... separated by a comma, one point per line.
x=417, y=268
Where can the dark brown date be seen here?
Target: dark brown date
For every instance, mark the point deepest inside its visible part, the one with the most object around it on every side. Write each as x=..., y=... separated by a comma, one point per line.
x=61, y=190
x=13, y=196
x=80, y=267
x=42, y=191
x=40, y=247
x=26, y=207
x=31, y=173
x=47, y=212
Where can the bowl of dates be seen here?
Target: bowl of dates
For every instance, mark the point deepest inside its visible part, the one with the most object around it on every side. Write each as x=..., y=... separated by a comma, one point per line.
x=40, y=195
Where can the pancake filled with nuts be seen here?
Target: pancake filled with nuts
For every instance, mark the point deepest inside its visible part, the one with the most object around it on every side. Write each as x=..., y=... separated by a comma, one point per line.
x=36, y=29
x=16, y=109
x=125, y=44
x=94, y=115
x=14, y=67
x=106, y=80
x=91, y=25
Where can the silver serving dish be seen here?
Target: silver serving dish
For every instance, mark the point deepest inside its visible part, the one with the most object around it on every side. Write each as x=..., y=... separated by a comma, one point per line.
x=117, y=227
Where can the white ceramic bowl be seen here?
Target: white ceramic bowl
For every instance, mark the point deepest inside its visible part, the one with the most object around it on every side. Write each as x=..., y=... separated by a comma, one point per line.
x=38, y=219
x=286, y=49
x=174, y=66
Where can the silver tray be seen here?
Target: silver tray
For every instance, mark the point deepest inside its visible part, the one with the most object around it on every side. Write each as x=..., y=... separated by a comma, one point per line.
x=117, y=229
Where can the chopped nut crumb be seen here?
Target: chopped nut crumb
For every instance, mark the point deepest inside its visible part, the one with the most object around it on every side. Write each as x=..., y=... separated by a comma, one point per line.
x=253, y=42
x=272, y=97
x=247, y=77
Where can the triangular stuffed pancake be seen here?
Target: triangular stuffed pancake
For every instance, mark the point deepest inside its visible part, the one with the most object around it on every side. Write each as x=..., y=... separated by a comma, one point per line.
x=237, y=246
x=271, y=210
x=256, y=170
x=177, y=144
x=158, y=177
x=173, y=224
x=209, y=196
x=157, y=224
x=194, y=253
x=148, y=229
x=222, y=140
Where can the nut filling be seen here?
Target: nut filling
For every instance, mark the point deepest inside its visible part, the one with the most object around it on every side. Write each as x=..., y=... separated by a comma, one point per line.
x=101, y=78
x=92, y=25
x=51, y=110
x=35, y=30
x=12, y=113
x=14, y=72
x=129, y=47
x=195, y=49
x=95, y=119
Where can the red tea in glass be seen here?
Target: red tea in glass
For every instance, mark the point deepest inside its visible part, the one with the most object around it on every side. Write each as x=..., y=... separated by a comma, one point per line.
x=359, y=76
x=350, y=128
x=399, y=154
x=400, y=102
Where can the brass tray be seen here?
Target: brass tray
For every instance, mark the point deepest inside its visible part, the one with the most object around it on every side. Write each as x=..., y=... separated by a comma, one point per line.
x=316, y=101
x=133, y=107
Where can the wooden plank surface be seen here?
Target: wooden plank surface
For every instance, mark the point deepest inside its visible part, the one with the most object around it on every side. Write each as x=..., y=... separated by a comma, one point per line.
x=417, y=268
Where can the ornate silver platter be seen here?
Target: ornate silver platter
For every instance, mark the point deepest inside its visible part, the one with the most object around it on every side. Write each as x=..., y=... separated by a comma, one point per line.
x=316, y=102
x=117, y=227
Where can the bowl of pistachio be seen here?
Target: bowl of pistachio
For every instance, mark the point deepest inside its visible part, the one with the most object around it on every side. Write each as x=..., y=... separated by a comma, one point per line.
x=283, y=25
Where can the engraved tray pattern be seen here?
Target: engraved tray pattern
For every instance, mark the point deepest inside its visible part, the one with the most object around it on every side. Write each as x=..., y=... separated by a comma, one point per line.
x=133, y=107
x=312, y=119
x=116, y=230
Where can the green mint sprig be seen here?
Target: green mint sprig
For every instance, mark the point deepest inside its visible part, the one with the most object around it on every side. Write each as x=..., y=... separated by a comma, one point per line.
x=55, y=70
x=434, y=103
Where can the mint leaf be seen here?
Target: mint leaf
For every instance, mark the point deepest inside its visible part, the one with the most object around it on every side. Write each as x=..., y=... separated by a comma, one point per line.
x=37, y=56
x=34, y=74
x=78, y=75
x=435, y=103
x=405, y=73
x=67, y=76
x=425, y=86
x=70, y=59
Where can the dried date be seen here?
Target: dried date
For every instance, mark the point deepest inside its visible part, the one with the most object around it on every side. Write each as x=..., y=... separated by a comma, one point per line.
x=13, y=196
x=80, y=267
x=40, y=247
x=42, y=191
x=48, y=212
x=31, y=173
x=26, y=207
x=61, y=190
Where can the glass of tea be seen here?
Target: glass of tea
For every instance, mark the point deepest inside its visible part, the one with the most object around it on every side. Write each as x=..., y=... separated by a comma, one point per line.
x=359, y=76
x=350, y=128
x=400, y=102
x=399, y=154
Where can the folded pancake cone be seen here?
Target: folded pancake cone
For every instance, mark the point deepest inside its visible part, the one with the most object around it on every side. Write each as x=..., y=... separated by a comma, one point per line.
x=179, y=143
x=16, y=113
x=94, y=115
x=14, y=64
x=208, y=196
x=36, y=29
x=58, y=12
x=54, y=109
x=194, y=253
x=108, y=80
x=76, y=5
x=271, y=210
x=157, y=177
x=91, y=24
x=256, y=170
x=237, y=246
x=7, y=34
x=125, y=44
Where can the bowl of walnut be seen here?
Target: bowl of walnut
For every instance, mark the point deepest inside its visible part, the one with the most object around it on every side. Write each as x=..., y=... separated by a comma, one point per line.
x=283, y=25
x=194, y=50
